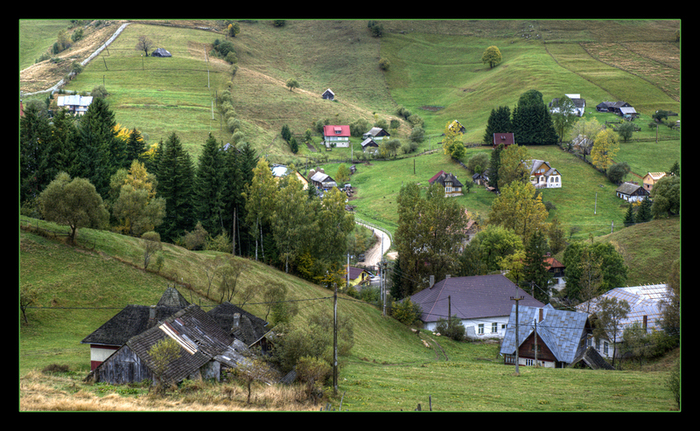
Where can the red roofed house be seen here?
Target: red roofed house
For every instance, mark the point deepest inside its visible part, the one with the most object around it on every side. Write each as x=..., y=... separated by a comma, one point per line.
x=503, y=138
x=555, y=268
x=336, y=136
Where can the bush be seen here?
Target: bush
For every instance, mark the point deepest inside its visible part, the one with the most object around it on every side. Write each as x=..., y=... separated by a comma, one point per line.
x=452, y=328
x=407, y=312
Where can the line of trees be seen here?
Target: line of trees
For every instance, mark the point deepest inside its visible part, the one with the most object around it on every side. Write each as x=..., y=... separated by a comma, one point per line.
x=227, y=197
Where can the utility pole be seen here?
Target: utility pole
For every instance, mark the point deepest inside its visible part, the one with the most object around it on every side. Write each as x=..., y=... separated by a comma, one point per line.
x=517, y=329
x=335, y=339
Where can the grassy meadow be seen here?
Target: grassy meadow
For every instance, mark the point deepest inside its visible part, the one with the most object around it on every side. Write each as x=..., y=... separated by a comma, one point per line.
x=389, y=369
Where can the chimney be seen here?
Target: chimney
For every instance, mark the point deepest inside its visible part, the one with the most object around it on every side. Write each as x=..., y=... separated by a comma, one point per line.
x=447, y=276
x=236, y=321
x=152, y=313
x=432, y=281
x=541, y=314
x=644, y=323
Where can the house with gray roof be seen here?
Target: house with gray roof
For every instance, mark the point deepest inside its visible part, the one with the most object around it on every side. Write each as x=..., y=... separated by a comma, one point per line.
x=482, y=303
x=206, y=349
x=74, y=103
x=631, y=192
x=547, y=337
x=646, y=309
x=129, y=322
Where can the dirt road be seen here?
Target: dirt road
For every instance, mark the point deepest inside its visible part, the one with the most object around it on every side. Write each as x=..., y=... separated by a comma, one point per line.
x=374, y=255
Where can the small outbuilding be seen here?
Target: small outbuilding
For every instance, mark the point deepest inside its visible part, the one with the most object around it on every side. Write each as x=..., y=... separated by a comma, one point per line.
x=328, y=94
x=160, y=52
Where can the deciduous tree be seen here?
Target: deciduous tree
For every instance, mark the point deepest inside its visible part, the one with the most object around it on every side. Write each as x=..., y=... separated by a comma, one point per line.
x=519, y=207
x=605, y=147
x=491, y=56
x=74, y=202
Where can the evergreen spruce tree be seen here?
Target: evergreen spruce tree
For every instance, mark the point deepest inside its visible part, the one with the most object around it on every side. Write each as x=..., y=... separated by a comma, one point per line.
x=499, y=122
x=629, y=216
x=209, y=187
x=96, y=147
x=537, y=278
x=644, y=211
x=175, y=184
x=495, y=165
x=135, y=146
x=33, y=132
x=532, y=122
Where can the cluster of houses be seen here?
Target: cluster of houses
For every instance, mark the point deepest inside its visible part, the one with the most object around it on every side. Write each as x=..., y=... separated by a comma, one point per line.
x=487, y=308
x=225, y=337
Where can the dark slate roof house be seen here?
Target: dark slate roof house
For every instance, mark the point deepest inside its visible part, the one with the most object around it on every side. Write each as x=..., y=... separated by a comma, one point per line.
x=205, y=348
x=561, y=336
x=129, y=322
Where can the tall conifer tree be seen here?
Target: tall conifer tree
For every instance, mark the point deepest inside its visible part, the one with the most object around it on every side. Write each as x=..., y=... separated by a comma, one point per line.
x=209, y=187
x=175, y=182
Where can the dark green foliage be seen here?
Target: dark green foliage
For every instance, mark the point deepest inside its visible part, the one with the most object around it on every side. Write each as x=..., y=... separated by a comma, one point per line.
x=208, y=190
x=499, y=122
x=451, y=327
x=175, y=184
x=135, y=146
x=537, y=279
x=532, y=122
x=99, y=153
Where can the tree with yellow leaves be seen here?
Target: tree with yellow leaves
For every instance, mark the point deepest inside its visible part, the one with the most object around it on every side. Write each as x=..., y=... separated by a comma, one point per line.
x=605, y=147
x=136, y=207
x=519, y=207
x=452, y=143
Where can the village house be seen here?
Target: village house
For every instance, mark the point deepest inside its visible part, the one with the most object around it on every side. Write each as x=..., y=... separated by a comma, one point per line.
x=356, y=277
x=369, y=145
x=542, y=175
x=279, y=171
x=556, y=269
x=336, y=136
x=547, y=337
x=75, y=104
x=579, y=104
x=321, y=180
x=129, y=322
x=481, y=302
x=503, y=138
x=206, y=350
x=161, y=52
x=328, y=94
x=377, y=133
x=651, y=178
x=646, y=309
x=449, y=182
x=631, y=192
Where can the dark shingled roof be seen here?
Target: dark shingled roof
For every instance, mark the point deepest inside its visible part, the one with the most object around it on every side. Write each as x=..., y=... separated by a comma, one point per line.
x=200, y=338
x=471, y=297
x=134, y=319
x=250, y=327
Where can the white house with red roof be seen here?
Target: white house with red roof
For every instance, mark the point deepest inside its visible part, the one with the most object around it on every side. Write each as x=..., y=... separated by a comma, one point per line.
x=336, y=136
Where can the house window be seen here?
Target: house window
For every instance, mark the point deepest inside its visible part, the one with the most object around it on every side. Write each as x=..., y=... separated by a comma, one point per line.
x=605, y=348
x=481, y=329
x=536, y=348
x=494, y=327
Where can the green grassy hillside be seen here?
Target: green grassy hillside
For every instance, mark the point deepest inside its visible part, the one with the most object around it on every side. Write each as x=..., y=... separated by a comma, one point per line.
x=389, y=368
